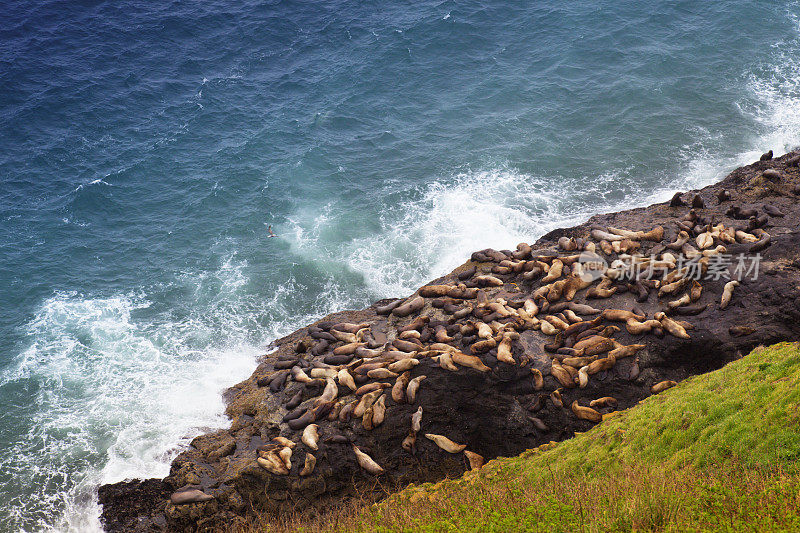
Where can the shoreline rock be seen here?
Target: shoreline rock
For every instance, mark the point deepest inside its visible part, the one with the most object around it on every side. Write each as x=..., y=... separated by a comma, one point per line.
x=508, y=408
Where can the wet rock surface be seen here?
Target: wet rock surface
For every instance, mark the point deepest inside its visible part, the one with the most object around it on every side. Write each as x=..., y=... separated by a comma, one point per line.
x=517, y=348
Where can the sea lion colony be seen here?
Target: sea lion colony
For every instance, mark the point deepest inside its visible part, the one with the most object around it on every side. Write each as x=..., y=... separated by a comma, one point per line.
x=354, y=373
x=511, y=350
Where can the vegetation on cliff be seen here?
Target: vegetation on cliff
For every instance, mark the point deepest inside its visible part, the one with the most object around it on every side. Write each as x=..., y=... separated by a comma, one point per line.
x=717, y=452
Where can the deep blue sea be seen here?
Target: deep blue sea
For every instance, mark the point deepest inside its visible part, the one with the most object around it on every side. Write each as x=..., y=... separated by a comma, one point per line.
x=145, y=147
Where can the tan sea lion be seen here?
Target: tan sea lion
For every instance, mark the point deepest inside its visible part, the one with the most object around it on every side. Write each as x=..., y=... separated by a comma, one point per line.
x=727, y=293
x=671, y=326
x=366, y=401
x=562, y=375
x=620, y=315
x=556, y=398
x=446, y=444
x=274, y=464
x=283, y=441
x=399, y=388
x=311, y=436
x=538, y=379
x=475, y=460
x=381, y=373
x=345, y=378
x=366, y=462
x=378, y=411
x=469, y=361
x=413, y=387
x=662, y=386
x=412, y=305
x=605, y=401
x=445, y=360
x=585, y=413
x=308, y=466
x=403, y=365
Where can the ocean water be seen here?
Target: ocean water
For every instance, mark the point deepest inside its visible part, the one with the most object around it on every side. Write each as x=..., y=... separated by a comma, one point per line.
x=146, y=146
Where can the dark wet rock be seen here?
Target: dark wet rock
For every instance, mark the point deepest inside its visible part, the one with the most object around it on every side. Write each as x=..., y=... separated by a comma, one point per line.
x=500, y=412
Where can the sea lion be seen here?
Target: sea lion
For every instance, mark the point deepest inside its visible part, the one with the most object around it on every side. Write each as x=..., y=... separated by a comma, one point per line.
x=671, y=326
x=620, y=352
x=370, y=387
x=696, y=291
x=475, y=460
x=686, y=299
x=388, y=308
x=378, y=411
x=562, y=375
x=676, y=200
x=345, y=378
x=308, y=465
x=690, y=310
x=599, y=365
x=273, y=463
x=183, y=497
x=583, y=377
x=488, y=281
x=330, y=393
x=381, y=373
x=470, y=361
x=445, y=360
x=556, y=398
x=347, y=411
x=585, y=413
x=403, y=365
x=409, y=442
x=416, y=420
x=323, y=373
x=620, y=315
x=635, y=327
x=310, y=436
x=697, y=202
x=283, y=441
x=554, y=272
x=413, y=387
x=399, y=388
x=727, y=293
x=538, y=379
x=662, y=386
x=766, y=156
x=302, y=421
x=295, y=400
x=723, y=195
x=773, y=211
x=741, y=331
x=605, y=401
x=504, y=352
x=761, y=244
x=366, y=418
x=412, y=305
x=366, y=401
x=366, y=462
x=433, y=291
x=446, y=444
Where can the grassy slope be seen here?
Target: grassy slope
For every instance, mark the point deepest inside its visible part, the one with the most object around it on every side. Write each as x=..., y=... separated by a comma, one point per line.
x=716, y=453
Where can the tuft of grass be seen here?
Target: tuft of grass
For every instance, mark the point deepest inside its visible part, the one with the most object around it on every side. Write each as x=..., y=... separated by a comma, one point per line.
x=717, y=452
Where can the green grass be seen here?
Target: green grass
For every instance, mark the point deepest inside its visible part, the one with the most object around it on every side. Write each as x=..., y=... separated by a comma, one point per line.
x=718, y=452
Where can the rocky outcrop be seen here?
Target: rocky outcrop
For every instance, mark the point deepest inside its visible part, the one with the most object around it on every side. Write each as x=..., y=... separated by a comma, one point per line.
x=508, y=358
